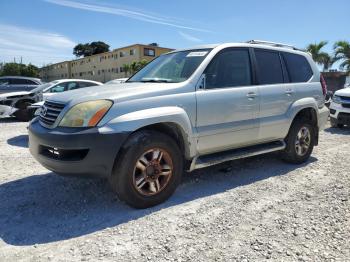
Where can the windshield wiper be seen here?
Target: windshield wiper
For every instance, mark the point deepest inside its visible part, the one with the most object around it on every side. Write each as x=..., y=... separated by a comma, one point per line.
x=156, y=80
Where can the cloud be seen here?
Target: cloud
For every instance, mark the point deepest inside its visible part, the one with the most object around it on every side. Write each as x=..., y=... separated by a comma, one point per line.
x=137, y=15
x=189, y=37
x=34, y=46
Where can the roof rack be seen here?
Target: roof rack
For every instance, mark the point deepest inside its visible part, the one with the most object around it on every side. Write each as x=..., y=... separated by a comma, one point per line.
x=273, y=44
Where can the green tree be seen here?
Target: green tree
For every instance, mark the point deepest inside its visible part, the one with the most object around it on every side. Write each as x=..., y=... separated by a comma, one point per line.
x=342, y=54
x=134, y=67
x=126, y=69
x=15, y=69
x=321, y=58
x=89, y=49
x=142, y=63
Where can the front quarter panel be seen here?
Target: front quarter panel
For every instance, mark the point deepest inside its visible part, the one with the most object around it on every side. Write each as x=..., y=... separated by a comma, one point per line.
x=133, y=121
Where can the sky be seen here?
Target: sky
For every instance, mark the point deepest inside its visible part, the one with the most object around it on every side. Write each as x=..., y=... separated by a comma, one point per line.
x=45, y=31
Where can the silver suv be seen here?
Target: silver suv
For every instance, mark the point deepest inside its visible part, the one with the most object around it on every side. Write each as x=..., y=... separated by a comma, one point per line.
x=187, y=109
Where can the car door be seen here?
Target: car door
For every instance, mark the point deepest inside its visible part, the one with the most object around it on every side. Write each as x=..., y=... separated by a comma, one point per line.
x=275, y=95
x=228, y=105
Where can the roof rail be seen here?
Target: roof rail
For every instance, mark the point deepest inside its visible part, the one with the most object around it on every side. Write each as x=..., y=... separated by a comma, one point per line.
x=273, y=44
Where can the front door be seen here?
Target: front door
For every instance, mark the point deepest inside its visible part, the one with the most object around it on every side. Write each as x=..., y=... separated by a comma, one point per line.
x=228, y=105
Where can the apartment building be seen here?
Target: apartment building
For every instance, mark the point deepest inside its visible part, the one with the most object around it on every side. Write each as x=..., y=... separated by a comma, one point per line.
x=102, y=67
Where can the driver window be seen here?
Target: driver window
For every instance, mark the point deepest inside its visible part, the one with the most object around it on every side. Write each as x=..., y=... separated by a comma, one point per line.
x=72, y=86
x=229, y=68
x=57, y=88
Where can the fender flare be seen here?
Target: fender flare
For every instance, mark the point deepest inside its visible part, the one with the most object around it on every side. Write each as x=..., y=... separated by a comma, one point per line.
x=133, y=121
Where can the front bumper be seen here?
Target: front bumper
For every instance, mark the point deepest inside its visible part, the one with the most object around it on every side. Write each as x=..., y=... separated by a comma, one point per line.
x=340, y=113
x=323, y=114
x=75, y=151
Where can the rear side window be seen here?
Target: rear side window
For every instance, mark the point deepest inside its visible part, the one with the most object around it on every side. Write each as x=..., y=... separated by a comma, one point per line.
x=298, y=68
x=4, y=81
x=229, y=68
x=269, y=67
x=86, y=84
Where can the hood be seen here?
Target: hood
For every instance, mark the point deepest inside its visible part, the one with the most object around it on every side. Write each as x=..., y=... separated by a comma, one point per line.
x=343, y=92
x=116, y=92
x=21, y=93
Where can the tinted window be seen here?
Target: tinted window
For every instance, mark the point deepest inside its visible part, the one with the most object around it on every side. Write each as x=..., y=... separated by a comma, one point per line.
x=298, y=67
x=85, y=84
x=72, y=86
x=4, y=81
x=229, y=68
x=18, y=81
x=269, y=67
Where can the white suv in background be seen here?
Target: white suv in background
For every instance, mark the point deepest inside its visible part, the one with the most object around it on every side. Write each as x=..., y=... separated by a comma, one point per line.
x=340, y=108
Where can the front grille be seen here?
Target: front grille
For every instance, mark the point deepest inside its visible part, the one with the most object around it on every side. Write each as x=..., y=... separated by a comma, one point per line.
x=345, y=98
x=49, y=112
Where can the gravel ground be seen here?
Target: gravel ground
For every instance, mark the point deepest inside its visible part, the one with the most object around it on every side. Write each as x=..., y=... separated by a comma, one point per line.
x=255, y=209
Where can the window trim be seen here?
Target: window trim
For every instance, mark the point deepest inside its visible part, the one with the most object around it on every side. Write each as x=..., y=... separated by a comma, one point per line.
x=251, y=67
x=287, y=68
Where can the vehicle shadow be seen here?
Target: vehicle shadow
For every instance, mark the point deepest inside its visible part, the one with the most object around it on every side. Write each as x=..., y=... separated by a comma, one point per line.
x=20, y=141
x=339, y=131
x=47, y=208
x=8, y=120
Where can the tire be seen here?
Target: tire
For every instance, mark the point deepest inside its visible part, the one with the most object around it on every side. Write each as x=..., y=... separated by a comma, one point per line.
x=298, y=152
x=334, y=123
x=22, y=114
x=136, y=169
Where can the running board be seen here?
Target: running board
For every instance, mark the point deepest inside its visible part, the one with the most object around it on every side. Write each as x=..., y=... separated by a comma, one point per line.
x=216, y=158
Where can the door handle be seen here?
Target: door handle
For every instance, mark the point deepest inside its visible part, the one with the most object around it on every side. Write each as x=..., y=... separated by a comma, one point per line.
x=251, y=95
x=289, y=91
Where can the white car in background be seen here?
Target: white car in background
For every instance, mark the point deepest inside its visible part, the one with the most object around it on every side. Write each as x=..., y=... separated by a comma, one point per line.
x=340, y=108
x=22, y=104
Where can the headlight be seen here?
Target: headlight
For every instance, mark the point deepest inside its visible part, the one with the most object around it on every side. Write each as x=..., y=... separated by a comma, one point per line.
x=86, y=114
x=336, y=99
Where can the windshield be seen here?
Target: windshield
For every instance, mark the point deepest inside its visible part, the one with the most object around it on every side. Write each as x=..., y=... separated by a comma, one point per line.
x=171, y=68
x=41, y=88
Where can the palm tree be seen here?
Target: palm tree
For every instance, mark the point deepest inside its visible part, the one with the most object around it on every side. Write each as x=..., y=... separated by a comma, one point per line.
x=342, y=53
x=321, y=58
x=126, y=69
x=134, y=67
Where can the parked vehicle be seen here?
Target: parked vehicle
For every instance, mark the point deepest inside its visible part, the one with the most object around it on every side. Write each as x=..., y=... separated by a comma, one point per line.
x=17, y=103
x=189, y=109
x=116, y=81
x=340, y=108
x=328, y=98
x=18, y=83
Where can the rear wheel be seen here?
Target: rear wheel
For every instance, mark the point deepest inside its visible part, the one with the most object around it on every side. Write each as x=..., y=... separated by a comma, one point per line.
x=300, y=142
x=148, y=169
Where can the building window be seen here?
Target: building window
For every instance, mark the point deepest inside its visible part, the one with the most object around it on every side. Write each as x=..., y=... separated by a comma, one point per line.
x=121, y=69
x=98, y=72
x=132, y=51
x=115, y=56
x=116, y=70
x=121, y=54
x=149, y=52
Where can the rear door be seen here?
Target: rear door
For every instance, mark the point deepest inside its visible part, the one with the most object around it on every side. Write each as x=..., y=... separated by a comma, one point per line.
x=275, y=95
x=228, y=105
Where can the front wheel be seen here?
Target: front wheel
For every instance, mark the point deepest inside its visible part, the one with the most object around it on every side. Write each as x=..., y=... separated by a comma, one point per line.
x=148, y=169
x=300, y=142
